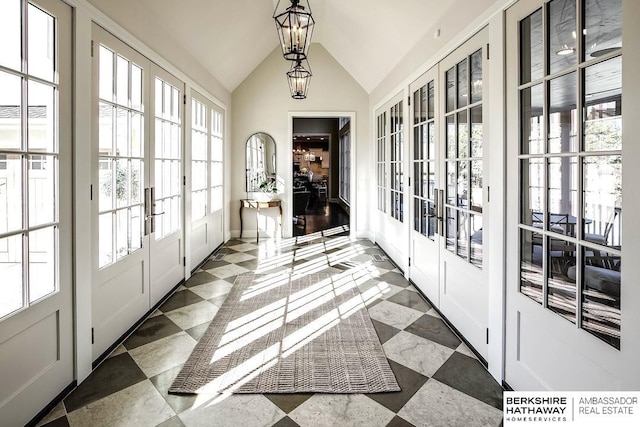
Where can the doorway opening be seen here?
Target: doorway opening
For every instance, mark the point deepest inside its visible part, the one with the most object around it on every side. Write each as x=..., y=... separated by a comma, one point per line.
x=321, y=174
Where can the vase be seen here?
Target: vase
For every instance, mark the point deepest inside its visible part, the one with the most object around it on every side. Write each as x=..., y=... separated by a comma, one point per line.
x=264, y=197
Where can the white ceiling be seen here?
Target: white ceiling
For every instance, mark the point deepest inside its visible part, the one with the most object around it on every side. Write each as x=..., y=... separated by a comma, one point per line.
x=230, y=38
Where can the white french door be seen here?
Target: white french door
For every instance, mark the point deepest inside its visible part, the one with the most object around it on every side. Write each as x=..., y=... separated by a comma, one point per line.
x=36, y=313
x=164, y=194
x=391, y=229
x=464, y=296
x=567, y=299
x=448, y=136
x=206, y=179
x=137, y=200
x=426, y=241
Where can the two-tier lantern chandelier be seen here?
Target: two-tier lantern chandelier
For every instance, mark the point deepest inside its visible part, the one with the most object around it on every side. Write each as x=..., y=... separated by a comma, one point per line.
x=295, y=27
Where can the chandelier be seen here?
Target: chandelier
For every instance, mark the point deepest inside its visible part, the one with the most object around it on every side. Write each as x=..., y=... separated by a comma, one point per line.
x=299, y=78
x=295, y=27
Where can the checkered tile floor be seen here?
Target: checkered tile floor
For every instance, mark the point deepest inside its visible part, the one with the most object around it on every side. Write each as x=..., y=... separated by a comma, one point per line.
x=442, y=382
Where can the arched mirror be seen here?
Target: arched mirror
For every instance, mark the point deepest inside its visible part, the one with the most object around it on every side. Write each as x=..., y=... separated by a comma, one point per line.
x=260, y=152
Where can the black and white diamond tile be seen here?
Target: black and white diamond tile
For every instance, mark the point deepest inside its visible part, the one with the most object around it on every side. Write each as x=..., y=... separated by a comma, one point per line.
x=442, y=382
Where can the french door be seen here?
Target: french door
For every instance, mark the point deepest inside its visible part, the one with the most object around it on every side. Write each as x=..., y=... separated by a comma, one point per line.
x=137, y=200
x=426, y=239
x=449, y=262
x=36, y=313
x=390, y=217
x=567, y=299
x=206, y=178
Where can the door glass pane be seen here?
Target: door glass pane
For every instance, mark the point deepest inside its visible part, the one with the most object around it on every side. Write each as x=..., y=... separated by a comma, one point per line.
x=603, y=200
x=106, y=126
x=10, y=55
x=123, y=183
x=431, y=130
x=531, y=47
x=531, y=280
x=476, y=240
x=42, y=263
x=137, y=135
x=416, y=105
x=562, y=205
x=431, y=210
x=451, y=228
x=11, y=106
x=463, y=84
x=106, y=74
x=11, y=193
x=463, y=184
x=137, y=221
x=532, y=184
x=532, y=124
x=603, y=102
x=601, y=295
x=562, y=35
x=451, y=89
x=463, y=234
x=122, y=132
x=418, y=178
x=11, y=272
x=42, y=189
x=476, y=185
x=41, y=43
x=431, y=96
x=476, y=76
x=122, y=233
x=418, y=143
x=562, y=114
x=463, y=134
x=452, y=181
x=603, y=27
x=475, y=114
x=451, y=137
x=561, y=296
x=105, y=242
x=105, y=184
x=122, y=81
x=431, y=180
x=41, y=118
x=136, y=87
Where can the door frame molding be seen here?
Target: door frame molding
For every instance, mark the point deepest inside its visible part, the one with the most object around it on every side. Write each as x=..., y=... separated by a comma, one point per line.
x=288, y=176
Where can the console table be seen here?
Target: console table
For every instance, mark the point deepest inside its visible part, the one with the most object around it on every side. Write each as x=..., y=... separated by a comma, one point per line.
x=254, y=204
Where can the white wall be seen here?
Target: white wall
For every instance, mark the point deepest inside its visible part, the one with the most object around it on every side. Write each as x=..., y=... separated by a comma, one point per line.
x=262, y=103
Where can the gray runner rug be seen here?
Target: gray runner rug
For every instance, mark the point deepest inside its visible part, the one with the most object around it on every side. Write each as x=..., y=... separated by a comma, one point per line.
x=284, y=335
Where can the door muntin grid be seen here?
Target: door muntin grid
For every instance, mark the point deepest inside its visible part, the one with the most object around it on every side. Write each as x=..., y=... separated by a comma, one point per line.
x=200, y=135
x=381, y=165
x=570, y=163
x=424, y=160
x=396, y=166
x=168, y=159
x=29, y=156
x=120, y=157
x=463, y=120
x=217, y=153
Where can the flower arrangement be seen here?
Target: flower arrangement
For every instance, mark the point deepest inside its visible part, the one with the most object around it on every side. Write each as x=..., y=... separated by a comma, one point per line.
x=268, y=187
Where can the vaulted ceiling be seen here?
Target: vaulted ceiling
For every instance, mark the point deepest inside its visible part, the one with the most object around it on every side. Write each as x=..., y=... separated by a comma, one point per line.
x=230, y=38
